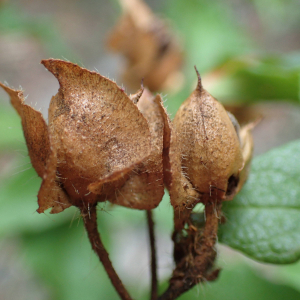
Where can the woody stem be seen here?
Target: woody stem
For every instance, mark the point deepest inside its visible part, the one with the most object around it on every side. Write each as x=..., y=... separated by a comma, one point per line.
x=153, y=255
x=196, y=265
x=90, y=222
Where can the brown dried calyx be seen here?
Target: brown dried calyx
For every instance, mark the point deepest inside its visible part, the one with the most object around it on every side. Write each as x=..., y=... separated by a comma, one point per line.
x=97, y=145
x=212, y=155
x=144, y=188
x=151, y=50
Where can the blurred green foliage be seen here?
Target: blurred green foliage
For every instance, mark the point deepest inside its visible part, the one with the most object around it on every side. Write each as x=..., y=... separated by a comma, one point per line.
x=14, y=21
x=219, y=44
x=10, y=129
x=56, y=249
x=249, y=80
x=209, y=33
x=241, y=282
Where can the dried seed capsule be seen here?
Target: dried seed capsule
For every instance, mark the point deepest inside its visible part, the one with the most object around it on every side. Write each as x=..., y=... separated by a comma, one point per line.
x=95, y=138
x=97, y=130
x=211, y=155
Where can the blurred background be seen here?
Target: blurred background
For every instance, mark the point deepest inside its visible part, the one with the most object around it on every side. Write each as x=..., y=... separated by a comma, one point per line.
x=248, y=53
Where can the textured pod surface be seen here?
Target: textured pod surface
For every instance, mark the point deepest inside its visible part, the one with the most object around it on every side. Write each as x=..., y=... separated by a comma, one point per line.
x=211, y=156
x=97, y=131
x=144, y=188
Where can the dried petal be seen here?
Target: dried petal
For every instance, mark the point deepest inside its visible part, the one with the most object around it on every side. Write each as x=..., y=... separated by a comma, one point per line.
x=152, y=52
x=97, y=131
x=41, y=155
x=51, y=195
x=245, y=134
x=183, y=196
x=210, y=147
x=145, y=188
x=35, y=130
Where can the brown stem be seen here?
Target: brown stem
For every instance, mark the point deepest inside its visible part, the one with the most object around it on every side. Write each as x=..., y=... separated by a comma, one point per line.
x=90, y=222
x=197, y=255
x=153, y=255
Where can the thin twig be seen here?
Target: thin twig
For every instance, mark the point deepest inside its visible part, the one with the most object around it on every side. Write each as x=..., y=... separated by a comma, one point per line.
x=153, y=255
x=197, y=264
x=90, y=222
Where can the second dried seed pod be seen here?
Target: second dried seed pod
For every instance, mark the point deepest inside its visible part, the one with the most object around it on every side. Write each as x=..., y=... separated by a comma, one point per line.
x=211, y=154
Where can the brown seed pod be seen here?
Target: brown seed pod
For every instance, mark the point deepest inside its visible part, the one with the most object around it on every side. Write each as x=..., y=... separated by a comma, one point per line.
x=98, y=131
x=151, y=50
x=95, y=137
x=210, y=147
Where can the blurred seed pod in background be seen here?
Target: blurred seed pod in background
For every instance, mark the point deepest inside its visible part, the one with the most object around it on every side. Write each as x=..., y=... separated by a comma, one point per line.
x=150, y=48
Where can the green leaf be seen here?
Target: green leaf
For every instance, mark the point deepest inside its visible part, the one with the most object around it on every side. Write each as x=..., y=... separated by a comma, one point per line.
x=261, y=78
x=263, y=220
x=289, y=275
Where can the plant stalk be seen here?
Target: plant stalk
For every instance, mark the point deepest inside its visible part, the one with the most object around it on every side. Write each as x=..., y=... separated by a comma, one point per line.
x=90, y=222
x=197, y=255
x=153, y=255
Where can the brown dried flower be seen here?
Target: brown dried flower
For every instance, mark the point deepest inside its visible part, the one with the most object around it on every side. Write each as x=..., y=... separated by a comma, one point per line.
x=97, y=145
x=151, y=50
